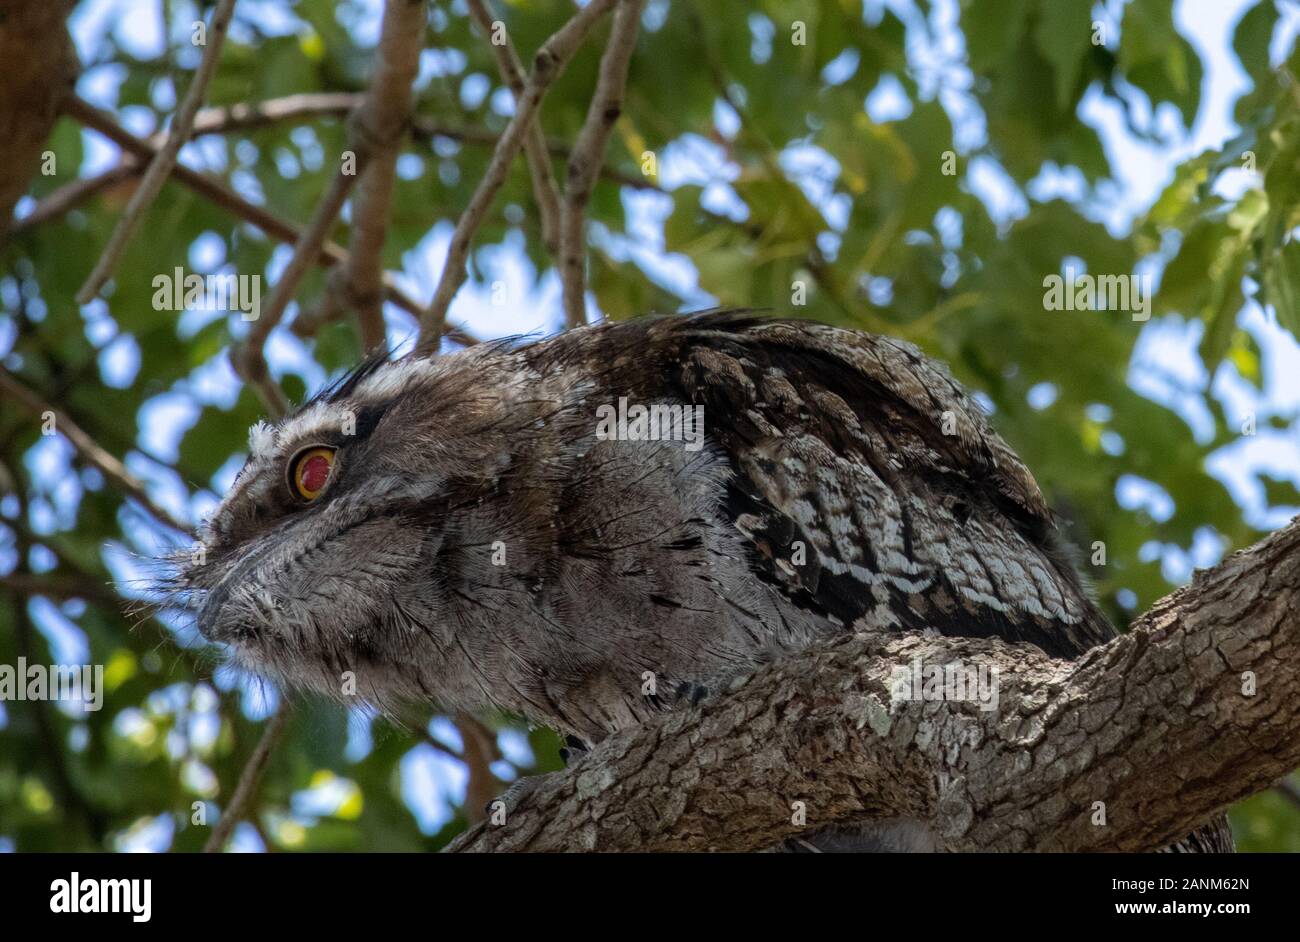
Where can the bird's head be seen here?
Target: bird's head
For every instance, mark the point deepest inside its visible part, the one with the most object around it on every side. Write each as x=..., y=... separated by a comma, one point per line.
x=323, y=557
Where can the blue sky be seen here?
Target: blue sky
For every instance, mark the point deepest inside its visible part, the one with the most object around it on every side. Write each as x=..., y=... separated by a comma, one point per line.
x=1165, y=366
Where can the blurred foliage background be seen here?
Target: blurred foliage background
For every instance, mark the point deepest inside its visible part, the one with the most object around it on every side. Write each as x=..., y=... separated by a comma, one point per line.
x=919, y=167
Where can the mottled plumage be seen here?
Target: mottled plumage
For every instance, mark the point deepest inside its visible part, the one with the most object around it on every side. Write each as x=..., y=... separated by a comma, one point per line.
x=479, y=543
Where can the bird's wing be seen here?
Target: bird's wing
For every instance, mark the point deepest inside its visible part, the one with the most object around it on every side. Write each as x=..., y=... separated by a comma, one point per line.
x=872, y=488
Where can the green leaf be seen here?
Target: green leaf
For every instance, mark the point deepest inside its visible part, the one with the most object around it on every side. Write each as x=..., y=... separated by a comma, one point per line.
x=1222, y=319
x=992, y=29
x=1184, y=287
x=1282, y=287
x=1064, y=36
x=1253, y=35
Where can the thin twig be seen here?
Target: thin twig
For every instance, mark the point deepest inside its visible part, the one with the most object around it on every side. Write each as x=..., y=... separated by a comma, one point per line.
x=547, y=66
x=250, y=363
x=384, y=118
x=49, y=737
x=545, y=190
x=249, y=116
x=161, y=166
x=423, y=129
x=61, y=586
x=589, y=156
x=205, y=185
x=93, y=588
x=89, y=449
x=73, y=194
x=249, y=779
x=427, y=737
x=329, y=307
x=221, y=195
x=249, y=358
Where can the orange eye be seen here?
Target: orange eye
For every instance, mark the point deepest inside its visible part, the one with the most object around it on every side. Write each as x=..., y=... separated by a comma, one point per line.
x=311, y=472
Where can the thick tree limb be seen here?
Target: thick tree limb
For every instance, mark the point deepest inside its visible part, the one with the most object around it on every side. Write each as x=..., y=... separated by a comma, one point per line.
x=549, y=62
x=589, y=156
x=160, y=167
x=40, y=66
x=1196, y=707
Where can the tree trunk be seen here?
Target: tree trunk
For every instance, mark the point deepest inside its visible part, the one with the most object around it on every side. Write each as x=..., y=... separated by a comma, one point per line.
x=40, y=66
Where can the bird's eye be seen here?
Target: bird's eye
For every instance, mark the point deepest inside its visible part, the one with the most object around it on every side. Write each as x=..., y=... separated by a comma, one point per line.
x=310, y=471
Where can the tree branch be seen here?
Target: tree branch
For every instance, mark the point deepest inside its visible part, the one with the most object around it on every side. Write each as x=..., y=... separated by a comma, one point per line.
x=40, y=67
x=249, y=358
x=424, y=129
x=370, y=127
x=93, y=588
x=73, y=194
x=51, y=741
x=1197, y=706
x=90, y=450
x=249, y=116
x=61, y=587
x=221, y=195
x=478, y=753
x=545, y=190
x=589, y=156
x=160, y=168
x=249, y=779
x=384, y=119
x=548, y=64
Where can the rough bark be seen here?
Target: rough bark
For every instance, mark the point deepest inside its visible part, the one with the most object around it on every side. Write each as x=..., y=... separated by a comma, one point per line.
x=40, y=66
x=1158, y=725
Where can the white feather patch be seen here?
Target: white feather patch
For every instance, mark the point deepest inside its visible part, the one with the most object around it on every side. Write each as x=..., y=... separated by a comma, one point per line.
x=392, y=378
x=261, y=440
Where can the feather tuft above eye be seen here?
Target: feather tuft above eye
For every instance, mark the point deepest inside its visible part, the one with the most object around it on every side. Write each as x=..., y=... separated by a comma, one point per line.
x=261, y=439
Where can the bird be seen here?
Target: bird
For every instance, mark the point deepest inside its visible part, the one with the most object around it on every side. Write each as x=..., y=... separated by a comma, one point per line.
x=594, y=527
